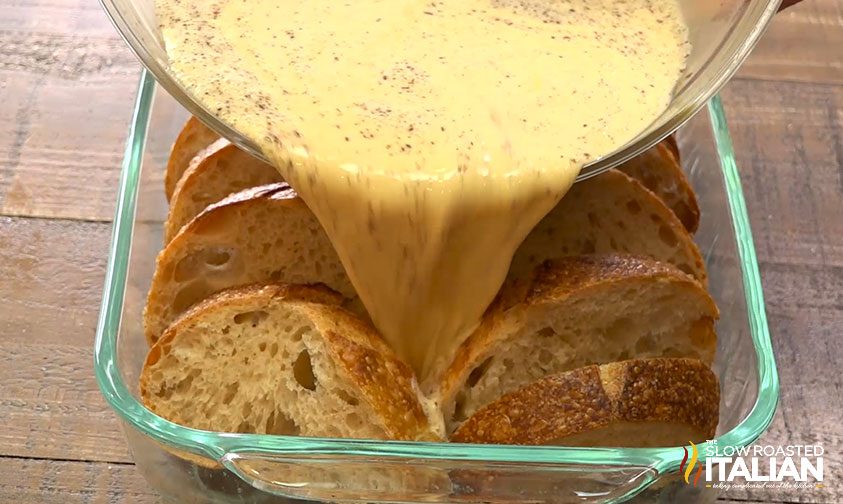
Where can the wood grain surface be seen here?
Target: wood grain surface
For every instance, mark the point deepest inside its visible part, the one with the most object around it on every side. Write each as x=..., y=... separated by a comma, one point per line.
x=67, y=85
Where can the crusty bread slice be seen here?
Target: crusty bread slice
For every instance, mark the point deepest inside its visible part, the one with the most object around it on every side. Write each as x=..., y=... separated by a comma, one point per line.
x=673, y=145
x=277, y=359
x=634, y=403
x=610, y=212
x=194, y=137
x=262, y=234
x=659, y=171
x=217, y=171
x=577, y=311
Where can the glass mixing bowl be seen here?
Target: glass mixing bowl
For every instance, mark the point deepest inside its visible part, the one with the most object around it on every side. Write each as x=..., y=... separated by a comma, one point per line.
x=722, y=33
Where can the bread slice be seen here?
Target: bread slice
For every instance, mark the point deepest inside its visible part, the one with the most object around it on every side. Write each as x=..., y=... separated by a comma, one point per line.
x=217, y=171
x=634, y=403
x=610, y=212
x=194, y=137
x=673, y=147
x=276, y=359
x=575, y=312
x=659, y=171
x=262, y=234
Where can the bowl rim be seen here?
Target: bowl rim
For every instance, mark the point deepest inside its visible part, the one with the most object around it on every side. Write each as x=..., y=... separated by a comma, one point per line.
x=223, y=446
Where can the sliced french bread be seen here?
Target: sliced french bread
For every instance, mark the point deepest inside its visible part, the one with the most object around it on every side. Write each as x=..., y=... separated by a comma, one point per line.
x=262, y=234
x=659, y=171
x=194, y=137
x=634, y=403
x=575, y=312
x=216, y=172
x=276, y=359
x=673, y=145
x=610, y=212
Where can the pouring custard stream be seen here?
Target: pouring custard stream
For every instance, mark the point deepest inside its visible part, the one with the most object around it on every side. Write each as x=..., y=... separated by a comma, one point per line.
x=428, y=137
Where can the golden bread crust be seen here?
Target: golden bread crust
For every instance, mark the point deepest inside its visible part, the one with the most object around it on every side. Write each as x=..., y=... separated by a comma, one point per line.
x=676, y=391
x=386, y=384
x=671, y=143
x=194, y=137
x=215, y=228
x=554, y=282
x=200, y=184
x=592, y=218
x=658, y=170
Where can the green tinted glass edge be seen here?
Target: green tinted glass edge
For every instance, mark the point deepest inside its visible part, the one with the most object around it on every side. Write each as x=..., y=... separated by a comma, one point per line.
x=761, y=415
x=217, y=445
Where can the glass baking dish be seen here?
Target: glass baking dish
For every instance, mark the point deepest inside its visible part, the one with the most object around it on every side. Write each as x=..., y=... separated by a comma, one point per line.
x=187, y=465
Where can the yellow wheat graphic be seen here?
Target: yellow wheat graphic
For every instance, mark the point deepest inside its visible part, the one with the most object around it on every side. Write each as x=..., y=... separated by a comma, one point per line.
x=692, y=462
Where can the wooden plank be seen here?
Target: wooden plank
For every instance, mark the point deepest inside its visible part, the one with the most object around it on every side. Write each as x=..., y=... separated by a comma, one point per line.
x=788, y=139
x=66, y=482
x=726, y=499
x=802, y=44
x=66, y=88
x=789, y=143
x=51, y=275
x=67, y=85
x=804, y=342
x=805, y=328
x=50, y=406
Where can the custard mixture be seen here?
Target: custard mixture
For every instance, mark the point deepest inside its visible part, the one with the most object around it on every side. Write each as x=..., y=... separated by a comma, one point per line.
x=428, y=137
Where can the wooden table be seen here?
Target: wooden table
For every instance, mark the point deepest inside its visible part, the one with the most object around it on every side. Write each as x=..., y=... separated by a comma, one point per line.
x=67, y=84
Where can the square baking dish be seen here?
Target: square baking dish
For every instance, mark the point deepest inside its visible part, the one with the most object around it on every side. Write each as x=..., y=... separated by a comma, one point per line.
x=187, y=465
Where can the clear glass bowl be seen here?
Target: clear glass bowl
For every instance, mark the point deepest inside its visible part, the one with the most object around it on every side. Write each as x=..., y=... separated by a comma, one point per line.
x=721, y=33
x=188, y=465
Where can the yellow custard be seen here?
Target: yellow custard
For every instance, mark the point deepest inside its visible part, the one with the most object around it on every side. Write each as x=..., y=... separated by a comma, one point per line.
x=428, y=137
